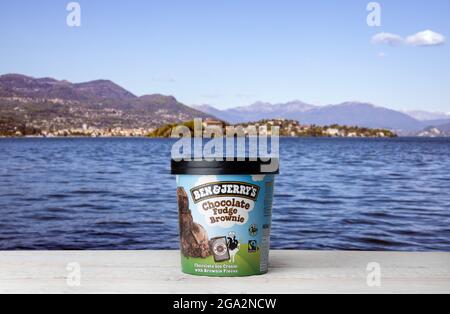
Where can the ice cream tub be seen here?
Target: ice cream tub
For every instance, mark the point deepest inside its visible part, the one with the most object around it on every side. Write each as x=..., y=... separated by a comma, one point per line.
x=225, y=213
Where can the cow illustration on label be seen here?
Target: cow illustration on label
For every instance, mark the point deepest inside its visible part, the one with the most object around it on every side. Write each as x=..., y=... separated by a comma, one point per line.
x=233, y=246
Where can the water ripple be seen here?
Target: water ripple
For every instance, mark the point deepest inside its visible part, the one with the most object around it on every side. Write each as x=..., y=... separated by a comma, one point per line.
x=349, y=194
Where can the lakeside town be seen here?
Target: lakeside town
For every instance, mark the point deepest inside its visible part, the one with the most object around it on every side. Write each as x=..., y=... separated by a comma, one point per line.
x=288, y=128
x=86, y=131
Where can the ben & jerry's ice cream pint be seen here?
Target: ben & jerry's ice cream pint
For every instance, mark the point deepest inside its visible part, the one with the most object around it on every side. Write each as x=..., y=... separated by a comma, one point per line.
x=225, y=212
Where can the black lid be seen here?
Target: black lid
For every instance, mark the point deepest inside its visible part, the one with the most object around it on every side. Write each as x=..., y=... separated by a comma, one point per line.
x=235, y=167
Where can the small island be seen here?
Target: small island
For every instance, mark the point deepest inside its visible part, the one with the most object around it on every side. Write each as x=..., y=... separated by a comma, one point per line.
x=288, y=128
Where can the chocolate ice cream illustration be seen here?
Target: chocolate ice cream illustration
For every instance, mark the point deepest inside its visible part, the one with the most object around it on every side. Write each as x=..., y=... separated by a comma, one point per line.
x=194, y=238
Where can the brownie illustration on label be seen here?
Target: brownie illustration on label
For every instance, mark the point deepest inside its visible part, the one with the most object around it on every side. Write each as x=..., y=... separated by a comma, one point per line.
x=194, y=237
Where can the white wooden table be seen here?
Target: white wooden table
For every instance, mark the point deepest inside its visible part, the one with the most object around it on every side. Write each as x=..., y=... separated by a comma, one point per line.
x=159, y=272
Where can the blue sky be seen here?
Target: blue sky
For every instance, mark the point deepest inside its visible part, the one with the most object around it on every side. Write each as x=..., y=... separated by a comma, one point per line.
x=235, y=52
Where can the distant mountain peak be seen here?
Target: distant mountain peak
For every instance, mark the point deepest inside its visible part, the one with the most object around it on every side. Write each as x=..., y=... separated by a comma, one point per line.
x=422, y=115
x=257, y=111
x=46, y=103
x=49, y=88
x=352, y=113
x=104, y=89
x=357, y=104
x=15, y=76
x=20, y=78
x=159, y=98
x=205, y=106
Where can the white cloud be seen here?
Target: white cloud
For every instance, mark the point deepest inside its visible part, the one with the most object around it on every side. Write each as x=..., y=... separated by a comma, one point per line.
x=381, y=55
x=388, y=39
x=426, y=38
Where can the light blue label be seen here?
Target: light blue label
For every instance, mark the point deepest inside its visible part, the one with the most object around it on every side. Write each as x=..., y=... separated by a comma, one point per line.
x=225, y=231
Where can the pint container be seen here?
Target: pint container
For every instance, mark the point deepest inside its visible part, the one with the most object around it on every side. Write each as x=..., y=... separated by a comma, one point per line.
x=225, y=213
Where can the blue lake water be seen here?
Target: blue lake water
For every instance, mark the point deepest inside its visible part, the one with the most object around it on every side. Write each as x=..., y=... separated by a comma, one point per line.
x=349, y=194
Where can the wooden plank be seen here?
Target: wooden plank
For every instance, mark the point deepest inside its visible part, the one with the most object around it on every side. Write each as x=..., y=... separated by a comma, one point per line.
x=159, y=272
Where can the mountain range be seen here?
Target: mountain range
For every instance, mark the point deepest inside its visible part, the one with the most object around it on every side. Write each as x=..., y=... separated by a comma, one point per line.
x=349, y=113
x=49, y=104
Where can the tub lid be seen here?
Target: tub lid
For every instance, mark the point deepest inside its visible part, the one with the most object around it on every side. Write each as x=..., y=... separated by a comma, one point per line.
x=226, y=167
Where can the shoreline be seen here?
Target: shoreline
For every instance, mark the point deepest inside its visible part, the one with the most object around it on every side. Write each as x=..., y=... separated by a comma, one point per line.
x=159, y=138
